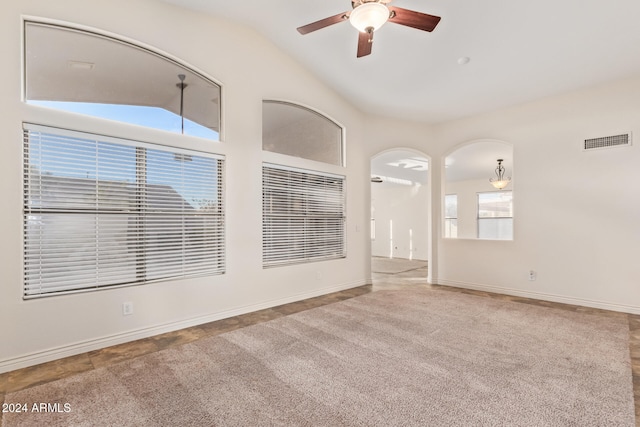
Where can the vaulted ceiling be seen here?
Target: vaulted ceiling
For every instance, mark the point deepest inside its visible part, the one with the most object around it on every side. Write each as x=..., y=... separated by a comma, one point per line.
x=518, y=50
x=515, y=51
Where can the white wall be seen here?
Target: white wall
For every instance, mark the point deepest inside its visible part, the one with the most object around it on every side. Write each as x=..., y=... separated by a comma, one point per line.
x=401, y=225
x=250, y=70
x=576, y=214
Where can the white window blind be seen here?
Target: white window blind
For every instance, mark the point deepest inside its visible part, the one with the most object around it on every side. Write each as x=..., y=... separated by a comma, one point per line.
x=303, y=216
x=102, y=211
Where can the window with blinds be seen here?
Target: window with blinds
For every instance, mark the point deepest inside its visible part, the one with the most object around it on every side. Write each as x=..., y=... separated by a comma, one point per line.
x=101, y=212
x=303, y=216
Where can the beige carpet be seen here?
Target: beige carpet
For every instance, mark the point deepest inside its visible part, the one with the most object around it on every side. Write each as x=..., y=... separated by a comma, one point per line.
x=395, y=265
x=389, y=358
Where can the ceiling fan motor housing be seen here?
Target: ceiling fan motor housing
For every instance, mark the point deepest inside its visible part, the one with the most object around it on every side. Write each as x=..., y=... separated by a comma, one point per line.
x=369, y=16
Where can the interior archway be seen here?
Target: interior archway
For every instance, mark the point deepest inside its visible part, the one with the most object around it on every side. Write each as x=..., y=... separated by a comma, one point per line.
x=400, y=211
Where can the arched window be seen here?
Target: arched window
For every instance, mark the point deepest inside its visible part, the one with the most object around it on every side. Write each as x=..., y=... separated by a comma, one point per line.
x=88, y=73
x=106, y=209
x=303, y=211
x=301, y=132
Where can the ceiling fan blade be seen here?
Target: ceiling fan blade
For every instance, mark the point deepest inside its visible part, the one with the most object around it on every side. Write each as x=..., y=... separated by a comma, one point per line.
x=365, y=41
x=411, y=18
x=305, y=29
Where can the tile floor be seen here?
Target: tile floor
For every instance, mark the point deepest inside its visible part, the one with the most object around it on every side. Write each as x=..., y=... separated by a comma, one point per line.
x=407, y=275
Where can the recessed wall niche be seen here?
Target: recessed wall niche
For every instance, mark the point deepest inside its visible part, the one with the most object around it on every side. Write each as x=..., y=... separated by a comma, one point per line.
x=472, y=207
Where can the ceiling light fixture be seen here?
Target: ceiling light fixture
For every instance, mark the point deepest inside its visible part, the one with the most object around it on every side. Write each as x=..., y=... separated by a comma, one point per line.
x=369, y=16
x=500, y=181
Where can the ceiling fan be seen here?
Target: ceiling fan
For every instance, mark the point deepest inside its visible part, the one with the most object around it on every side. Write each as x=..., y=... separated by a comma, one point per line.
x=369, y=15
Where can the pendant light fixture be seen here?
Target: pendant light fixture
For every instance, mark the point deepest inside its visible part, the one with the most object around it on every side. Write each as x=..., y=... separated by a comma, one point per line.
x=500, y=181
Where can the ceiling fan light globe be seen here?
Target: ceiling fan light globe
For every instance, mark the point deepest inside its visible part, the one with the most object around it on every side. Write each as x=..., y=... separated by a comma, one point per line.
x=369, y=15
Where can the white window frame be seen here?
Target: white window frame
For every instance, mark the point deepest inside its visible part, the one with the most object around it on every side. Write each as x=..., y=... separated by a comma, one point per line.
x=144, y=231
x=184, y=146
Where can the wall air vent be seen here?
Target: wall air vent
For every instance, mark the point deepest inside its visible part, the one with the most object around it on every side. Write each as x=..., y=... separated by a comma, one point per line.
x=607, y=142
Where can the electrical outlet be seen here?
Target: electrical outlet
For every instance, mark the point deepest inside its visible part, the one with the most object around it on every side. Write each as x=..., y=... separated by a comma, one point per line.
x=532, y=275
x=127, y=308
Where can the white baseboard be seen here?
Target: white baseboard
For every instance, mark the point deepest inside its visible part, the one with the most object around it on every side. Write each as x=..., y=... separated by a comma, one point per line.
x=541, y=296
x=98, y=343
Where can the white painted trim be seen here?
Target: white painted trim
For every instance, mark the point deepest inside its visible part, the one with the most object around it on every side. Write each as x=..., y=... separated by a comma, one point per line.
x=541, y=296
x=98, y=343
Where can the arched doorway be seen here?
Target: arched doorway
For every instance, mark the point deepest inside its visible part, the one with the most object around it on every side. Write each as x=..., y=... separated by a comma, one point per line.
x=400, y=213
